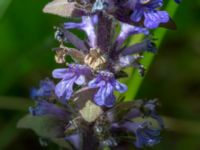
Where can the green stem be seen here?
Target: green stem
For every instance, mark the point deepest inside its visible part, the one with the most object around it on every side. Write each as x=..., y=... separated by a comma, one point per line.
x=135, y=80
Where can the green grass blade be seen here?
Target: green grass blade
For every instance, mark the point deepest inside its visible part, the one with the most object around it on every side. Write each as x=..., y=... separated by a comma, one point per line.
x=135, y=80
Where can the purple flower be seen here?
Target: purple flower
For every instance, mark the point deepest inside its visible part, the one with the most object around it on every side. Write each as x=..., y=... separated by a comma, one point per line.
x=128, y=30
x=126, y=61
x=145, y=136
x=150, y=110
x=147, y=9
x=146, y=45
x=75, y=74
x=87, y=25
x=74, y=139
x=106, y=83
x=45, y=108
x=46, y=90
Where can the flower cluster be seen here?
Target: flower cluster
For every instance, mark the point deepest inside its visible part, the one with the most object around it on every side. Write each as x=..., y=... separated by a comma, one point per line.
x=107, y=127
x=82, y=106
x=101, y=59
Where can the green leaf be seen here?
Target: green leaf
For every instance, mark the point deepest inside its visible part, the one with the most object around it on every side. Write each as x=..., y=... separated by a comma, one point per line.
x=44, y=126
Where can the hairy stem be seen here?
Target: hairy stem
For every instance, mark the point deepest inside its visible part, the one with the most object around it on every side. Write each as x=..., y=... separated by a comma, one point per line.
x=89, y=141
x=104, y=31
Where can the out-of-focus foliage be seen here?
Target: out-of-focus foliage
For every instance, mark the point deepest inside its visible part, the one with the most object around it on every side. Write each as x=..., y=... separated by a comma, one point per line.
x=26, y=40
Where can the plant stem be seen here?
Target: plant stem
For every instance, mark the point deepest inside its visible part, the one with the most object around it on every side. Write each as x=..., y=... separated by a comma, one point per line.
x=89, y=142
x=104, y=32
x=135, y=80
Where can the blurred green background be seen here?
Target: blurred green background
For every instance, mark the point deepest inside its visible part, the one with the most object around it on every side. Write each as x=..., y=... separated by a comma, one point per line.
x=26, y=40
